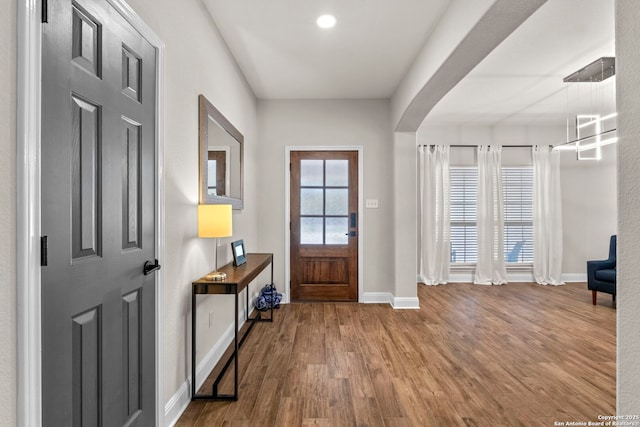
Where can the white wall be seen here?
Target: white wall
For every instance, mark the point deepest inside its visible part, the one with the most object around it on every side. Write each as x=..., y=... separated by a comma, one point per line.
x=588, y=187
x=628, y=96
x=589, y=208
x=196, y=61
x=405, y=221
x=8, y=367
x=328, y=123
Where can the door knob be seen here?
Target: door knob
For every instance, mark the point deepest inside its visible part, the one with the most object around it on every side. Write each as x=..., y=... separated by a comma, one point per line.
x=150, y=267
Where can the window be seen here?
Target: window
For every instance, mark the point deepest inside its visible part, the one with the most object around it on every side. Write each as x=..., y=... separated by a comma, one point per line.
x=464, y=232
x=517, y=186
x=324, y=202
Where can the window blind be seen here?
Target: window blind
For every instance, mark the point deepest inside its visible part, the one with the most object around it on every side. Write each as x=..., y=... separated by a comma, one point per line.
x=517, y=184
x=517, y=187
x=464, y=232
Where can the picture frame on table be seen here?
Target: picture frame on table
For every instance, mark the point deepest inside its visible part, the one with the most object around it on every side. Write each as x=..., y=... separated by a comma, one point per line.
x=239, y=254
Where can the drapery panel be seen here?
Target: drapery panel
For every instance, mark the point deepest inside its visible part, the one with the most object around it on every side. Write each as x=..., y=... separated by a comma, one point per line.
x=435, y=238
x=547, y=216
x=490, y=268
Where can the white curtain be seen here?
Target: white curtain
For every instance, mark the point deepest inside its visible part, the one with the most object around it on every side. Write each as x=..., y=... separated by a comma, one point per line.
x=491, y=268
x=434, y=220
x=547, y=216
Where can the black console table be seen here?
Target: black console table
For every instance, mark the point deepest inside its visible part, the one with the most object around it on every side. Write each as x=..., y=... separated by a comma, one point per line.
x=238, y=279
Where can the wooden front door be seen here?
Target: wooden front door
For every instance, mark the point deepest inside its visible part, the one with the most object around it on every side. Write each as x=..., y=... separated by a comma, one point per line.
x=98, y=213
x=324, y=225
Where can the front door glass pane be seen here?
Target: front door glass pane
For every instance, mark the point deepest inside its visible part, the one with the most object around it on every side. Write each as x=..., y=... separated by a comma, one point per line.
x=337, y=201
x=337, y=173
x=311, y=202
x=311, y=173
x=311, y=231
x=336, y=231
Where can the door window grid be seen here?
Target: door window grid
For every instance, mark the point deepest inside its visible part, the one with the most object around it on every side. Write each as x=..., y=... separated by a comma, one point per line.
x=324, y=195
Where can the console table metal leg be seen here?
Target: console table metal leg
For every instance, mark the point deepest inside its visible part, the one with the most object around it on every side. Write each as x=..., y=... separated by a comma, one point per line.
x=193, y=344
x=236, y=354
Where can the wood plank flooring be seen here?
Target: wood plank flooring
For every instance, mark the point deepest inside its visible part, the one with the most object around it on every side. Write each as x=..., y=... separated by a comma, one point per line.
x=514, y=355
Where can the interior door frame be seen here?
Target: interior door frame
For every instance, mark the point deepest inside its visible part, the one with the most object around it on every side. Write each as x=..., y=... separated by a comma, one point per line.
x=28, y=206
x=287, y=213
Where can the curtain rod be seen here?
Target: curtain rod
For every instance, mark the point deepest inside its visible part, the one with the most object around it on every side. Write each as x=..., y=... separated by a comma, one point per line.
x=475, y=146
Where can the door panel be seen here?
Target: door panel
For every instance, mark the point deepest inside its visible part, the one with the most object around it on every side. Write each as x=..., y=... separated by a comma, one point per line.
x=85, y=179
x=131, y=185
x=131, y=351
x=324, y=240
x=98, y=211
x=86, y=361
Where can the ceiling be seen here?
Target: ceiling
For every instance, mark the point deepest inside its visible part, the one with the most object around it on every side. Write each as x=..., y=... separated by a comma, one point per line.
x=284, y=55
x=521, y=81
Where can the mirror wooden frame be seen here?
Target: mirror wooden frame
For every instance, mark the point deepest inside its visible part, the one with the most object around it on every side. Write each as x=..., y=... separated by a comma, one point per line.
x=206, y=112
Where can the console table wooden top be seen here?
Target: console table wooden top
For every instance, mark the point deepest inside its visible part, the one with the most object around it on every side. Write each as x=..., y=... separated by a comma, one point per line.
x=237, y=279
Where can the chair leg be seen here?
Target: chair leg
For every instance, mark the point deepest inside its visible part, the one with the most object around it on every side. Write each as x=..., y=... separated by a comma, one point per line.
x=593, y=296
x=613, y=303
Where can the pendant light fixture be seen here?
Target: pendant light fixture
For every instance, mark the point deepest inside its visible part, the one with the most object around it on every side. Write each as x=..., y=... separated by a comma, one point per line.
x=591, y=109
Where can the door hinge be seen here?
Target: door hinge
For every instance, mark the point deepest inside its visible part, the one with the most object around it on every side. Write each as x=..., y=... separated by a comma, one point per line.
x=45, y=11
x=44, y=249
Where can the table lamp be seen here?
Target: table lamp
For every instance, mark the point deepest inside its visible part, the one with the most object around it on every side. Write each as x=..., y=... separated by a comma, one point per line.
x=214, y=221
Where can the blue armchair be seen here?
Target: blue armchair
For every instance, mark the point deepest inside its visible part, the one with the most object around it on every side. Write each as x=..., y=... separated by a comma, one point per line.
x=601, y=275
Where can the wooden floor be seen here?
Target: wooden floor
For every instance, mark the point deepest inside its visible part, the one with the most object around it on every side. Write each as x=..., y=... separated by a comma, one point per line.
x=514, y=355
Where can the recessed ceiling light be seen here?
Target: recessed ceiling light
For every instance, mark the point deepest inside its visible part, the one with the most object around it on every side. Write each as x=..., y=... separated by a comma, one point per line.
x=326, y=21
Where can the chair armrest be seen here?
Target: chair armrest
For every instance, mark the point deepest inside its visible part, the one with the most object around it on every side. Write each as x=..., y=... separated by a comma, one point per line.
x=593, y=266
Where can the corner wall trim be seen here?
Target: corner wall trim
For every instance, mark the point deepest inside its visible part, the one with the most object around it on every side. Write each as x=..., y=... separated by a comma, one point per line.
x=378, y=298
x=388, y=298
x=406, y=303
x=177, y=404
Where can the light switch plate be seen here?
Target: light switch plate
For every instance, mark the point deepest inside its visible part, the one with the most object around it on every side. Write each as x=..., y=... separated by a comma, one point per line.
x=371, y=204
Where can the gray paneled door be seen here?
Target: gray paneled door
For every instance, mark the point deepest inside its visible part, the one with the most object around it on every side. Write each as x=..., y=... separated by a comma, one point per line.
x=98, y=213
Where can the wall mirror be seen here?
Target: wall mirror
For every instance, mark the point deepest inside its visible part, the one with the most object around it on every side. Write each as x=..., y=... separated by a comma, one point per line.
x=221, y=151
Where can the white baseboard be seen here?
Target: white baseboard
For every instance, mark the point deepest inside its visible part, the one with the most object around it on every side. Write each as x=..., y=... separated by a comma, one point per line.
x=174, y=408
x=388, y=298
x=574, y=277
x=520, y=277
x=377, y=298
x=467, y=277
x=178, y=403
x=406, y=303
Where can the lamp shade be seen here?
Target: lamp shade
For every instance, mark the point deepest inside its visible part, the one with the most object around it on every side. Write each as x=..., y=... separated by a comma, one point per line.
x=214, y=221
